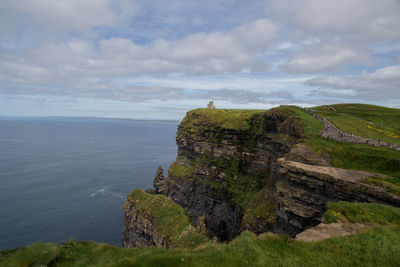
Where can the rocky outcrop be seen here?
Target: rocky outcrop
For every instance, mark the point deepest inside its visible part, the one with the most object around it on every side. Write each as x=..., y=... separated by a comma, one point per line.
x=304, y=190
x=156, y=221
x=159, y=182
x=139, y=229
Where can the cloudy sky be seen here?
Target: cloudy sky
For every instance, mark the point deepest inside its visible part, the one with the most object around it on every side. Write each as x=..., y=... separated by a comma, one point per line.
x=157, y=59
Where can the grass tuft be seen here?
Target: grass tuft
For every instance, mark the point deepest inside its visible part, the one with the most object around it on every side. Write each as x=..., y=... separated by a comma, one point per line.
x=181, y=170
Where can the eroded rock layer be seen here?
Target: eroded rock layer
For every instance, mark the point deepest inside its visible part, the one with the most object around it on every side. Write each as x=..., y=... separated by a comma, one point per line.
x=304, y=190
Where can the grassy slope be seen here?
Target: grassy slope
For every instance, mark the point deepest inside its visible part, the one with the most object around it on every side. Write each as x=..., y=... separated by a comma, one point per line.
x=374, y=247
x=349, y=156
x=370, y=121
x=367, y=213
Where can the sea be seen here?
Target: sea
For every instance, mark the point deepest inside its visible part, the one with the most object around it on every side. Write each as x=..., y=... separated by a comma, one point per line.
x=63, y=178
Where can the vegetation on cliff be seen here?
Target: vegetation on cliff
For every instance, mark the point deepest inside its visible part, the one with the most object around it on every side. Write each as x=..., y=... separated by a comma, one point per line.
x=378, y=246
x=236, y=119
x=181, y=170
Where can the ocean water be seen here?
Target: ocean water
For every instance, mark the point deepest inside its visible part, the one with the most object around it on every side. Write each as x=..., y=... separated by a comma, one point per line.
x=68, y=177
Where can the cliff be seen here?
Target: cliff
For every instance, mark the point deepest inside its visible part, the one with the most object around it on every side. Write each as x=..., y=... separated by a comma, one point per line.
x=226, y=168
x=261, y=171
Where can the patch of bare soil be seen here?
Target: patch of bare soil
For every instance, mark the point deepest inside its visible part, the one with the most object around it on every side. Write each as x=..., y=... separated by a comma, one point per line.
x=337, y=173
x=323, y=231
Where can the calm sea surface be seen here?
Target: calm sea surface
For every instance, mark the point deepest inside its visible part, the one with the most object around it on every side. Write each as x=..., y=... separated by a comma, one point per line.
x=68, y=177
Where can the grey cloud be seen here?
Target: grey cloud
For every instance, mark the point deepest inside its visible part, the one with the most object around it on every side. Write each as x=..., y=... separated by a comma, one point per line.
x=246, y=96
x=346, y=31
x=382, y=84
x=145, y=93
x=58, y=18
x=326, y=57
x=363, y=20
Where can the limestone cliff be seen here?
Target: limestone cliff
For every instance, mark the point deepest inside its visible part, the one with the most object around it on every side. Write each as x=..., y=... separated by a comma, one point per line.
x=242, y=170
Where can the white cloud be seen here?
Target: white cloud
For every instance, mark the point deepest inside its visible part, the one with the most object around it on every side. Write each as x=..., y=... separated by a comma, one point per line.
x=200, y=53
x=326, y=57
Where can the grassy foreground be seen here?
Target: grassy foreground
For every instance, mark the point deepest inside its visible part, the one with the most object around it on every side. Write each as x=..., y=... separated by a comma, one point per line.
x=378, y=246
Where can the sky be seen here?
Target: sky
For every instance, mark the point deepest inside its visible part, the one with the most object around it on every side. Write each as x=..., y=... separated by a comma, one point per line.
x=157, y=59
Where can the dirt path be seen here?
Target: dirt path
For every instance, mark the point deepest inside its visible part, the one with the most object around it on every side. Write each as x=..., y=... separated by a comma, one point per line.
x=330, y=131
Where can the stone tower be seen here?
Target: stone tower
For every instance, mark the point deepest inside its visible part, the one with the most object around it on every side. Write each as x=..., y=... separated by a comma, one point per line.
x=211, y=105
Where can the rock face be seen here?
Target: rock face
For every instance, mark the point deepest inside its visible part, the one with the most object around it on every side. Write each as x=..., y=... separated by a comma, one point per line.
x=139, y=229
x=159, y=181
x=303, y=191
x=248, y=174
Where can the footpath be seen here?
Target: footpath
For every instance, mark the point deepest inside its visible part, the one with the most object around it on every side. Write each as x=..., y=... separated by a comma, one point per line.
x=330, y=131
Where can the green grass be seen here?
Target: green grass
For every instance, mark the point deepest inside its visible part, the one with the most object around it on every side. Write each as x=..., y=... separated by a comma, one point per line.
x=368, y=213
x=181, y=170
x=375, y=247
x=169, y=219
x=369, y=121
x=236, y=119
